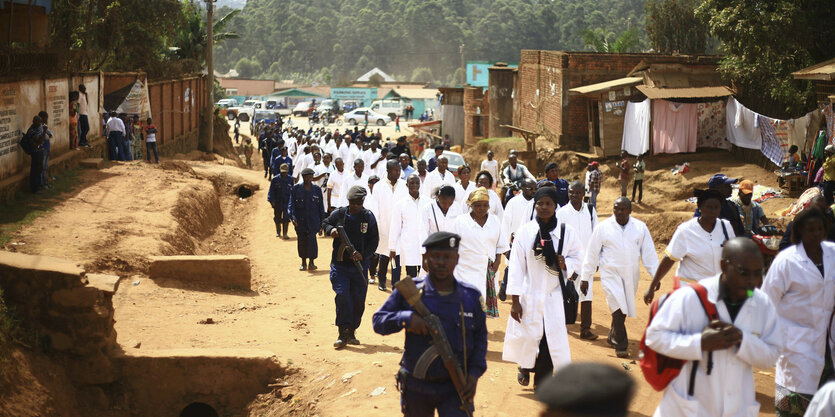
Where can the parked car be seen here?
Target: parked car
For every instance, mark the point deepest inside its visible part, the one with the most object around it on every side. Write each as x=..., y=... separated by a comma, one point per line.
x=302, y=109
x=246, y=111
x=226, y=103
x=328, y=105
x=455, y=159
x=388, y=107
x=357, y=117
x=267, y=116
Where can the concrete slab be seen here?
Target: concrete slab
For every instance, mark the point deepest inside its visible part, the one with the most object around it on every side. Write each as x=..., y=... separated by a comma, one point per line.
x=14, y=265
x=216, y=270
x=94, y=163
x=103, y=282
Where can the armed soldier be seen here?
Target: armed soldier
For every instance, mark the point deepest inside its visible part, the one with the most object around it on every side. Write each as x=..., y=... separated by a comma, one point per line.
x=355, y=238
x=446, y=334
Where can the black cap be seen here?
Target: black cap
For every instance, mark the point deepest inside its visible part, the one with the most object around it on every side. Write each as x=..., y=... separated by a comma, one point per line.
x=356, y=192
x=588, y=389
x=308, y=171
x=442, y=240
x=373, y=178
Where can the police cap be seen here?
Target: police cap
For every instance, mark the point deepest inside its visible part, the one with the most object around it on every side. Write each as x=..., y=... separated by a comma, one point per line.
x=442, y=240
x=588, y=389
x=356, y=192
x=307, y=171
x=284, y=168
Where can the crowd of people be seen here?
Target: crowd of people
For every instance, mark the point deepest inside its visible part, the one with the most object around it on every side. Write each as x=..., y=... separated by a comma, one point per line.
x=386, y=212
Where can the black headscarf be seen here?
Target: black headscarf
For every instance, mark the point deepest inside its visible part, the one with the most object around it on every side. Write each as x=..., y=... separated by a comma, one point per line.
x=543, y=246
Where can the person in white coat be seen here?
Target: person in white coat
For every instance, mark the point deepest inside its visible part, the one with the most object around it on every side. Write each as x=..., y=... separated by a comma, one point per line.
x=386, y=193
x=823, y=404
x=583, y=218
x=436, y=178
x=485, y=180
x=404, y=246
x=357, y=177
x=438, y=214
x=335, y=184
x=616, y=246
x=464, y=186
x=518, y=212
x=536, y=337
x=801, y=284
x=481, y=248
x=696, y=244
x=724, y=351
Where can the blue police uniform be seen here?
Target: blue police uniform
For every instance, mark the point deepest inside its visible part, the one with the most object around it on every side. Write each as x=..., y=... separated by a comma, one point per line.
x=562, y=190
x=307, y=209
x=279, y=195
x=278, y=160
x=349, y=285
x=421, y=397
x=266, y=144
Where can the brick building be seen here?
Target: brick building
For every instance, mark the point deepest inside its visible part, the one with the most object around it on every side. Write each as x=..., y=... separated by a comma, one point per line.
x=541, y=98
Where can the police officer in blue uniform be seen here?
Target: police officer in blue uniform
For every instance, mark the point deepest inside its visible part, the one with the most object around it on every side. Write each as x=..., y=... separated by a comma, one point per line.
x=552, y=175
x=347, y=282
x=307, y=208
x=279, y=198
x=424, y=383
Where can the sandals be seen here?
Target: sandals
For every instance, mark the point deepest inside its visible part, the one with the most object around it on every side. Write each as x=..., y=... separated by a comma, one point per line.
x=523, y=377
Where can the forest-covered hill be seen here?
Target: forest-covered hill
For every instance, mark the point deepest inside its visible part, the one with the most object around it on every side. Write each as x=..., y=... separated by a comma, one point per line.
x=334, y=41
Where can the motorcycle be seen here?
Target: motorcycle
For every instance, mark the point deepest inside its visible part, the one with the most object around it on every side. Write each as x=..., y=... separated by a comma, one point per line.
x=510, y=190
x=769, y=243
x=330, y=118
x=314, y=119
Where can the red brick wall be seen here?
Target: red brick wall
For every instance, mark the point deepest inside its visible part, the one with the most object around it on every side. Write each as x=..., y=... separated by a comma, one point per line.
x=474, y=99
x=562, y=117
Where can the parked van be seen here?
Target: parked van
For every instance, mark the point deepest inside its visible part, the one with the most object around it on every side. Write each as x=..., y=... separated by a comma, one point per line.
x=388, y=107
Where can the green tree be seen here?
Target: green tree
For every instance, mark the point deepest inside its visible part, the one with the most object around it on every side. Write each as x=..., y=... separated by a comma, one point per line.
x=422, y=75
x=764, y=42
x=627, y=41
x=672, y=27
x=248, y=68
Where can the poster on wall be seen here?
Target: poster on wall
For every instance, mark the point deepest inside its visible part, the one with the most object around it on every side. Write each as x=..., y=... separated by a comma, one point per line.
x=136, y=101
x=10, y=126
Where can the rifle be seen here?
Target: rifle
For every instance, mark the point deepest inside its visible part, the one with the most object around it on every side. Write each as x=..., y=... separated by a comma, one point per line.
x=345, y=246
x=412, y=295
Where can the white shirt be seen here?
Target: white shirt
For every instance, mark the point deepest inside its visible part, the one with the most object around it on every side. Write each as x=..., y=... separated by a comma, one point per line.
x=435, y=180
x=348, y=181
x=384, y=196
x=729, y=389
x=335, y=185
x=804, y=300
x=698, y=252
x=493, y=168
x=371, y=157
x=433, y=219
x=115, y=124
x=540, y=294
x=823, y=404
x=405, y=228
x=496, y=208
x=517, y=213
x=583, y=221
x=304, y=161
x=462, y=193
x=82, y=103
x=318, y=169
x=617, y=250
x=479, y=245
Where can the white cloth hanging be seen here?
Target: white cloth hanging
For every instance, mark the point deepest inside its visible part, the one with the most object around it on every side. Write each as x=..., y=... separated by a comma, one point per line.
x=636, y=128
x=742, y=126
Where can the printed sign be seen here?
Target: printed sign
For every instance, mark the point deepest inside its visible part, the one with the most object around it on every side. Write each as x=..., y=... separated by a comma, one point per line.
x=365, y=95
x=477, y=73
x=10, y=132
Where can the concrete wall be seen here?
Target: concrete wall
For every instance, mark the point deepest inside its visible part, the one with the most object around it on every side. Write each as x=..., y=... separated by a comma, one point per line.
x=22, y=100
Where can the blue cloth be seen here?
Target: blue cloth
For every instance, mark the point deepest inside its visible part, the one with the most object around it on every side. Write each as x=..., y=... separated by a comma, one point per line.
x=562, y=190
x=396, y=314
x=279, y=192
x=114, y=141
x=278, y=160
x=350, y=288
x=406, y=172
x=432, y=164
x=307, y=207
x=416, y=403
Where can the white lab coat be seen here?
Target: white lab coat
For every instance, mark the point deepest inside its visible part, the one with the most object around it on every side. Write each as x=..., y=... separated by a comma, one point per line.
x=804, y=301
x=496, y=208
x=335, y=185
x=385, y=195
x=433, y=219
x=405, y=226
x=584, y=223
x=823, y=404
x=617, y=250
x=540, y=294
x=676, y=331
x=478, y=246
x=349, y=180
x=462, y=193
x=435, y=180
x=517, y=213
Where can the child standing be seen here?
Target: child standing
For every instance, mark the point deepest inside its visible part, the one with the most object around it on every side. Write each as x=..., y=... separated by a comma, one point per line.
x=624, y=167
x=639, y=178
x=249, y=149
x=151, y=140
x=397, y=124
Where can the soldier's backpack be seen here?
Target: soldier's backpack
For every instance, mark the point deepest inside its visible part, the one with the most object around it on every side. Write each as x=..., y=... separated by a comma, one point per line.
x=27, y=143
x=658, y=369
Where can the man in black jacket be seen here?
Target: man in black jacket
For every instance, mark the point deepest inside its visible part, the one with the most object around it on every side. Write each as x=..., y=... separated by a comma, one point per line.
x=348, y=283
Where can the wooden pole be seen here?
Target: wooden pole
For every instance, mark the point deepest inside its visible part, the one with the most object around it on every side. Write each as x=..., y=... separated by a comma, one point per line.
x=210, y=79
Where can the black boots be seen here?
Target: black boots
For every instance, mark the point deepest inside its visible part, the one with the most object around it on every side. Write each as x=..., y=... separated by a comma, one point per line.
x=304, y=265
x=585, y=321
x=285, y=226
x=346, y=337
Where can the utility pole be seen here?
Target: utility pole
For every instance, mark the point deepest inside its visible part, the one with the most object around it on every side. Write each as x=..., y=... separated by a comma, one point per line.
x=463, y=65
x=210, y=79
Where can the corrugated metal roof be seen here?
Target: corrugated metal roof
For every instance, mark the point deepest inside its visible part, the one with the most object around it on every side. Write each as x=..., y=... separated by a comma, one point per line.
x=823, y=71
x=692, y=92
x=595, y=88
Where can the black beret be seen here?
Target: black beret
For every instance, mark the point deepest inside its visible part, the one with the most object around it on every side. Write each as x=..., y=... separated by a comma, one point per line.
x=442, y=240
x=550, y=166
x=357, y=192
x=588, y=389
x=308, y=171
x=373, y=178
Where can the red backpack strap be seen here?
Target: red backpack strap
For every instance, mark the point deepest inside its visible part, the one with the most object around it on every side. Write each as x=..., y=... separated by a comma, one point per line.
x=710, y=308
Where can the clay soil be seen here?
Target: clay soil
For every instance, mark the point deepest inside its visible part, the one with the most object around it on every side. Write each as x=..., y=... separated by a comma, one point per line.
x=127, y=212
